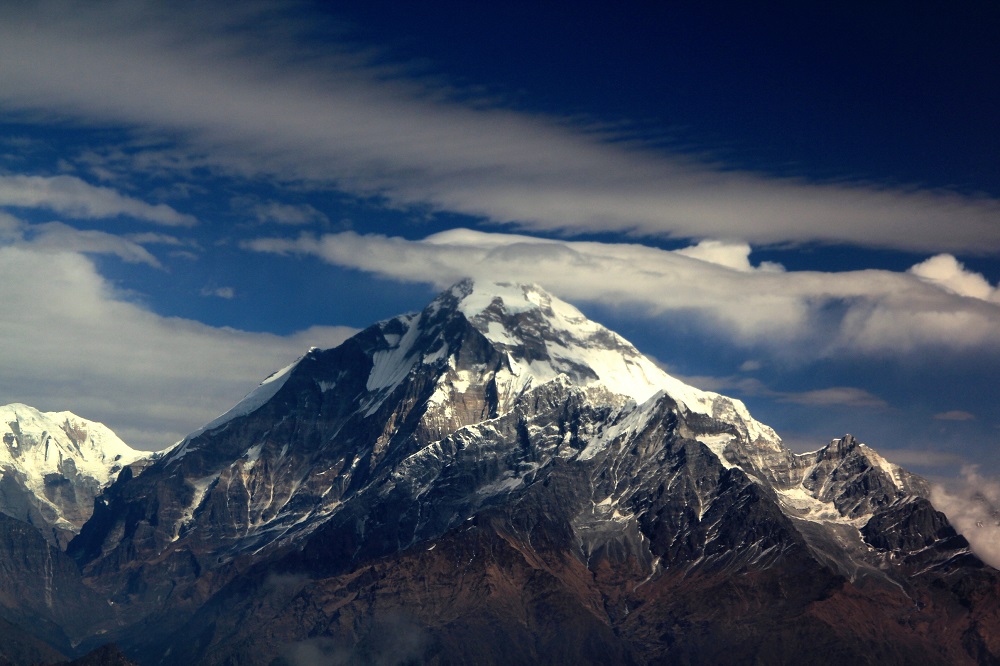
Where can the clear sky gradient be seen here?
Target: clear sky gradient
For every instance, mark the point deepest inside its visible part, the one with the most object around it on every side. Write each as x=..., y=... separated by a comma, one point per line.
x=797, y=206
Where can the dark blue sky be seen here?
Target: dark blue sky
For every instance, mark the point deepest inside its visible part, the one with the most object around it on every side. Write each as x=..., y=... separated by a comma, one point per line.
x=799, y=207
x=897, y=92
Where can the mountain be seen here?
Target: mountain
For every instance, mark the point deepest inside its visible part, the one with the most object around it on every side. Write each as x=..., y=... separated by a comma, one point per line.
x=53, y=465
x=497, y=479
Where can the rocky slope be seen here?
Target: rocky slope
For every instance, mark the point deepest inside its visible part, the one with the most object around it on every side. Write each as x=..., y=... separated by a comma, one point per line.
x=497, y=479
x=53, y=465
x=43, y=600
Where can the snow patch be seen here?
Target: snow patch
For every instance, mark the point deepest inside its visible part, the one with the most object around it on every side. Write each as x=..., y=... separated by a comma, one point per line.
x=253, y=454
x=433, y=357
x=391, y=366
x=717, y=445
x=200, y=487
x=800, y=503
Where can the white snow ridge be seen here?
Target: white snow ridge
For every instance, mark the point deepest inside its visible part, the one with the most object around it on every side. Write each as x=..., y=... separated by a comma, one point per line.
x=40, y=448
x=517, y=316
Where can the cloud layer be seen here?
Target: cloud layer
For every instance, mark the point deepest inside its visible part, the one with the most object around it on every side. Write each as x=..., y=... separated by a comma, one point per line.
x=71, y=342
x=822, y=313
x=258, y=100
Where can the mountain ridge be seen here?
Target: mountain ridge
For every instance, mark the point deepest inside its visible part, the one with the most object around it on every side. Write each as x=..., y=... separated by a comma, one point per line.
x=563, y=483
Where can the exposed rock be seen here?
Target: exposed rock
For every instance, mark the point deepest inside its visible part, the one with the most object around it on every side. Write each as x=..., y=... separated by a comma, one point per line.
x=106, y=655
x=42, y=593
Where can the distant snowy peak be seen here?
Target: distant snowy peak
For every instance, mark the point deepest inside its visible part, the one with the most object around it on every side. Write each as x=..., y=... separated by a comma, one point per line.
x=52, y=464
x=45, y=442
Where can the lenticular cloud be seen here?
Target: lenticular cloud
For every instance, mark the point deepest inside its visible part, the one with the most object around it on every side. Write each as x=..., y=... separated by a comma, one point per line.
x=823, y=313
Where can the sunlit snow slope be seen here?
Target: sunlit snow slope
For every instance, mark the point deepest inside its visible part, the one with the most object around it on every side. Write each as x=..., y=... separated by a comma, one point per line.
x=53, y=464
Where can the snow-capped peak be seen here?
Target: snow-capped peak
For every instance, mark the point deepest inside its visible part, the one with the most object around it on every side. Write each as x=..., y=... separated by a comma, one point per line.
x=546, y=337
x=39, y=442
x=40, y=450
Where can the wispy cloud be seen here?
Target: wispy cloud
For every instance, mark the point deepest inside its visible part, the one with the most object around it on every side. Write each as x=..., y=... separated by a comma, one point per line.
x=290, y=214
x=76, y=344
x=836, y=395
x=246, y=93
x=61, y=237
x=805, y=312
x=227, y=293
x=972, y=504
x=923, y=458
x=75, y=198
x=843, y=396
x=955, y=415
x=152, y=238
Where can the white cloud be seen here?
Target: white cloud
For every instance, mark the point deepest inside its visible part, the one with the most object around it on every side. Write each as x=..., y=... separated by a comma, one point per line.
x=11, y=228
x=290, y=214
x=227, y=293
x=805, y=312
x=730, y=255
x=950, y=274
x=835, y=395
x=973, y=507
x=71, y=342
x=57, y=236
x=72, y=197
x=259, y=101
x=955, y=415
x=846, y=396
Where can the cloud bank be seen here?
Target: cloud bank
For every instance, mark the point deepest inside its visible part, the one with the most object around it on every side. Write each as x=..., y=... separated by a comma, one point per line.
x=71, y=342
x=822, y=313
x=244, y=91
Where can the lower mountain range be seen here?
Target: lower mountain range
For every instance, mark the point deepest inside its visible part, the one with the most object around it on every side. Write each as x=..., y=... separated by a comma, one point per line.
x=492, y=480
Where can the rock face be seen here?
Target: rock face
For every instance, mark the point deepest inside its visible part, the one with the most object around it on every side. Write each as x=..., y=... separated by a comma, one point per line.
x=43, y=600
x=53, y=465
x=497, y=479
x=106, y=655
